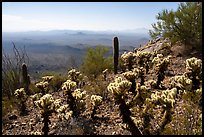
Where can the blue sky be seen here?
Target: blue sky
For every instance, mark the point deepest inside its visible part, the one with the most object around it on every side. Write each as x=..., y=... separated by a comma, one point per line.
x=99, y=16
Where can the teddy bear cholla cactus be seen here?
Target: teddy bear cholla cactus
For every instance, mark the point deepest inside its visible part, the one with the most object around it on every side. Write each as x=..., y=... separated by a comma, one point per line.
x=47, y=78
x=95, y=101
x=64, y=114
x=160, y=66
x=75, y=98
x=21, y=96
x=142, y=94
x=36, y=97
x=43, y=85
x=128, y=59
x=166, y=99
x=182, y=83
x=143, y=59
x=48, y=106
x=131, y=76
x=120, y=88
x=75, y=76
x=194, y=71
x=79, y=100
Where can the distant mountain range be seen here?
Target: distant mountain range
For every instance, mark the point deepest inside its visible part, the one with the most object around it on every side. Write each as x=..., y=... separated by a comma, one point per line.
x=46, y=47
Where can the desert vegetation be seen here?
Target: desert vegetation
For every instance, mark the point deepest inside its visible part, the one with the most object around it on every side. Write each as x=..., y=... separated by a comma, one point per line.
x=140, y=92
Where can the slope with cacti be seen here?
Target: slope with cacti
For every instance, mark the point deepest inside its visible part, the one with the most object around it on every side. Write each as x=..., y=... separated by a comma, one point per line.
x=146, y=96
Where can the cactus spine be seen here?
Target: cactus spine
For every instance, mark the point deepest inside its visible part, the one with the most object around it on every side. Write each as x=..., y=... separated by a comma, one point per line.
x=26, y=78
x=115, y=53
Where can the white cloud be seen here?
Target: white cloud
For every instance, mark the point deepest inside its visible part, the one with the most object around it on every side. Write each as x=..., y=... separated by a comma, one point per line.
x=11, y=23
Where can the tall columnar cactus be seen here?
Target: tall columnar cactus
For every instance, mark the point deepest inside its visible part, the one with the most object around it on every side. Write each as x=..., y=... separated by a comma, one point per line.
x=26, y=78
x=115, y=53
x=119, y=89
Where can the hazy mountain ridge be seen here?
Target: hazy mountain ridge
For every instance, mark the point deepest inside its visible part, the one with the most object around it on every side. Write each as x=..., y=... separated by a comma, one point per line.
x=53, y=49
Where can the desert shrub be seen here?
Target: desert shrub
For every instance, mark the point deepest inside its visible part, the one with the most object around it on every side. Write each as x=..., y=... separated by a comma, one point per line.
x=95, y=61
x=11, y=70
x=184, y=25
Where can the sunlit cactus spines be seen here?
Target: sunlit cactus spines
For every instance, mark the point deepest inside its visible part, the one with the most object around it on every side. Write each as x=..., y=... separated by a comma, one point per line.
x=26, y=78
x=95, y=101
x=140, y=74
x=47, y=106
x=115, y=54
x=142, y=94
x=63, y=113
x=119, y=87
x=36, y=97
x=79, y=100
x=194, y=71
x=75, y=76
x=47, y=78
x=75, y=98
x=160, y=66
x=43, y=86
x=181, y=83
x=131, y=76
x=143, y=59
x=105, y=73
x=36, y=133
x=21, y=96
x=68, y=86
x=166, y=99
x=128, y=59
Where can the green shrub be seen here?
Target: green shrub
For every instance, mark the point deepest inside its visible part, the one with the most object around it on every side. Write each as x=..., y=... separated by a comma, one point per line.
x=95, y=61
x=184, y=25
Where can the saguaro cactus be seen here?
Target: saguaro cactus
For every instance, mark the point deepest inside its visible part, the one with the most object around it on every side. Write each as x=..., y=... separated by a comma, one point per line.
x=115, y=53
x=26, y=78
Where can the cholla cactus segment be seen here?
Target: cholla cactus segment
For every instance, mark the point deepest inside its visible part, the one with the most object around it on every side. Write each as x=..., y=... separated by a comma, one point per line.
x=138, y=71
x=42, y=84
x=152, y=83
x=119, y=87
x=20, y=93
x=194, y=68
x=165, y=98
x=130, y=75
x=157, y=59
x=62, y=109
x=193, y=64
x=57, y=103
x=74, y=75
x=78, y=94
x=182, y=82
x=47, y=78
x=36, y=96
x=45, y=102
x=68, y=86
x=36, y=133
x=96, y=100
x=105, y=71
x=143, y=57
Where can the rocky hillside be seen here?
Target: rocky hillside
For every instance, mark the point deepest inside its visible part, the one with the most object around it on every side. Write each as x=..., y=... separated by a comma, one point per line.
x=186, y=114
